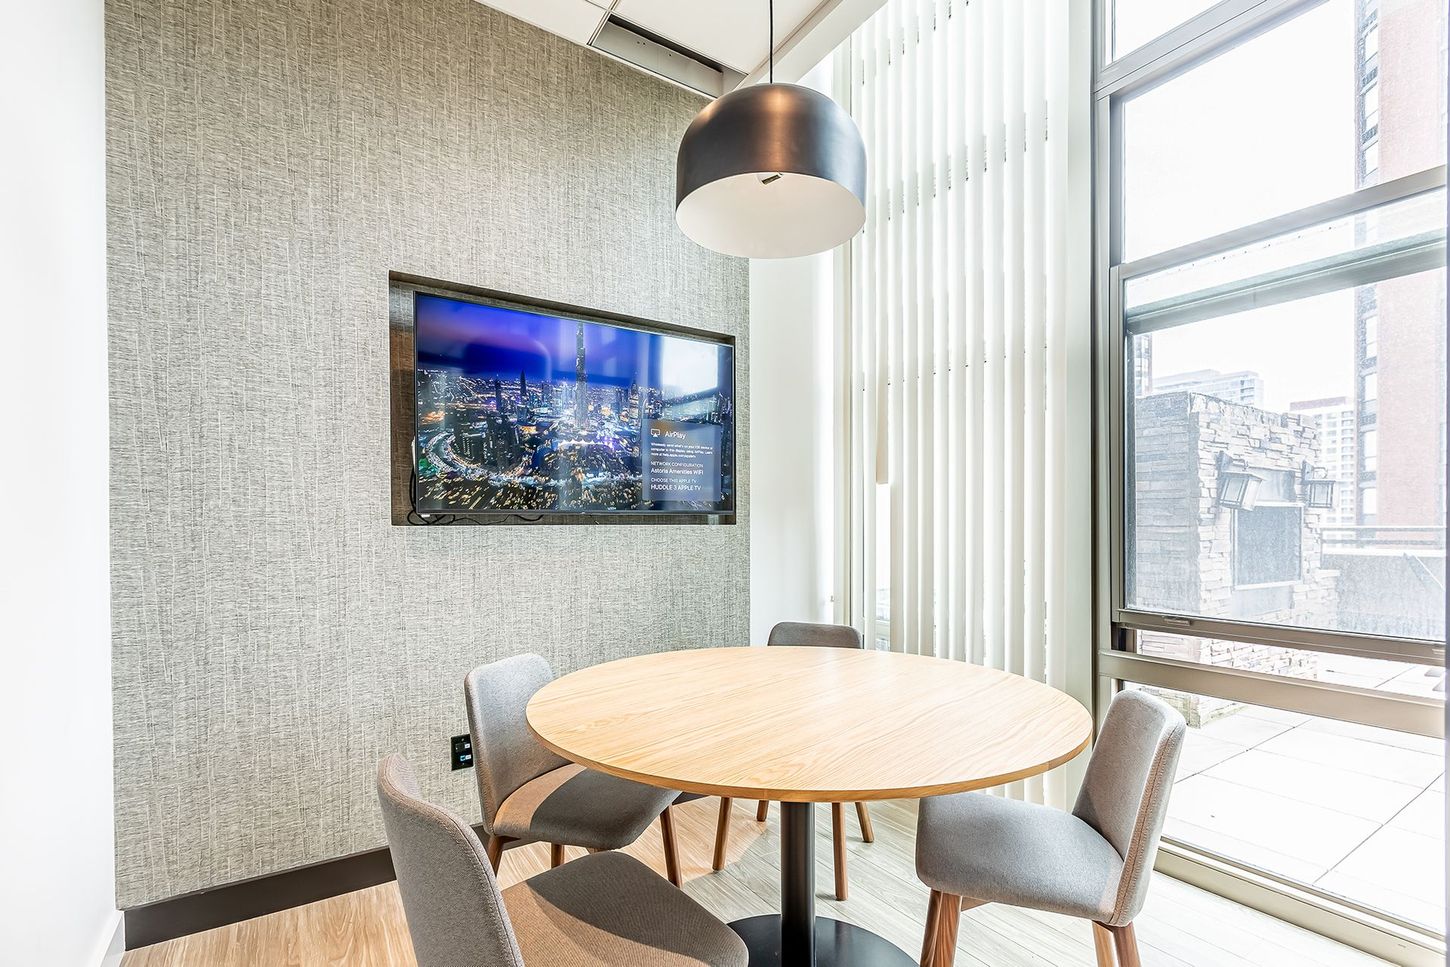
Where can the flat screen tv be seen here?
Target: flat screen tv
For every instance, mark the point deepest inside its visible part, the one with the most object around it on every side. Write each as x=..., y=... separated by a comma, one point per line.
x=523, y=410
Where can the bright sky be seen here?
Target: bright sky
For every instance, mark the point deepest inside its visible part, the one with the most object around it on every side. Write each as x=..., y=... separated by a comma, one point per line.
x=1261, y=130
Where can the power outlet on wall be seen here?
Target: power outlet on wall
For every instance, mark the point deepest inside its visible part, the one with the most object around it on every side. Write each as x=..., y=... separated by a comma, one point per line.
x=462, y=752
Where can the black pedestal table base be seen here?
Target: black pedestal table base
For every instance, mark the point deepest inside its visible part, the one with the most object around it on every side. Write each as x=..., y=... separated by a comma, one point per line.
x=796, y=938
x=838, y=944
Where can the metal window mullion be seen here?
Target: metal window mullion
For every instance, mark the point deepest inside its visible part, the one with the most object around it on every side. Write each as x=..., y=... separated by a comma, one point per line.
x=1107, y=177
x=1333, y=274
x=1287, y=636
x=1218, y=29
x=1120, y=430
x=1366, y=199
x=1346, y=703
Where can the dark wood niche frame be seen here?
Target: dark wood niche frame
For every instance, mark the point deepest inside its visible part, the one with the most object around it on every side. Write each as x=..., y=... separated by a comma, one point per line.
x=403, y=404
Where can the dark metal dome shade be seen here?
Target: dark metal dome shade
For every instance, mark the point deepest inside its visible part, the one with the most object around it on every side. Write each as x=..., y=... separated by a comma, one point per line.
x=771, y=171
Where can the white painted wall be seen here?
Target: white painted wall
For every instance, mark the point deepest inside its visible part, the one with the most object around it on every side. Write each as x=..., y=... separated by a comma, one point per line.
x=57, y=883
x=793, y=427
x=792, y=445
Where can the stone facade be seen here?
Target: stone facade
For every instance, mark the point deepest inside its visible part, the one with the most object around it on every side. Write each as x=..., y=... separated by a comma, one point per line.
x=1188, y=553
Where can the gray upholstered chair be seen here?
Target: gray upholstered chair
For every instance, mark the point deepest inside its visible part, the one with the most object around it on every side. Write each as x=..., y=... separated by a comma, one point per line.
x=605, y=909
x=1094, y=862
x=817, y=636
x=530, y=794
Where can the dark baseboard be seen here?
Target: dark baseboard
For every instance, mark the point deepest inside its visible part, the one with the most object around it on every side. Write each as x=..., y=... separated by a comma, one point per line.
x=205, y=909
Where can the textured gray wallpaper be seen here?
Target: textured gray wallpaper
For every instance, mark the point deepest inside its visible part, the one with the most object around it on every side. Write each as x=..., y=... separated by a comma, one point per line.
x=269, y=162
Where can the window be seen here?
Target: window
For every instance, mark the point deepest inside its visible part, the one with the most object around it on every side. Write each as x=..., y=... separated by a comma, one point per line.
x=1273, y=289
x=1267, y=546
x=1370, y=159
x=1192, y=432
x=1135, y=22
x=1295, y=664
x=1370, y=106
x=1354, y=811
x=1239, y=139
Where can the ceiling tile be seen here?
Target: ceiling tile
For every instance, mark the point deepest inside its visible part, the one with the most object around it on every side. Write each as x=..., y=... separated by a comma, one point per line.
x=575, y=20
x=734, y=34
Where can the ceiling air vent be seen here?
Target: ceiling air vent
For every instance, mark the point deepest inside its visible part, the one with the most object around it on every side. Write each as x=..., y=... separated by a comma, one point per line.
x=650, y=52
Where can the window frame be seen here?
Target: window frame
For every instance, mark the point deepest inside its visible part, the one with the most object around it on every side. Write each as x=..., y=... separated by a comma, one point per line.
x=1116, y=626
x=1116, y=349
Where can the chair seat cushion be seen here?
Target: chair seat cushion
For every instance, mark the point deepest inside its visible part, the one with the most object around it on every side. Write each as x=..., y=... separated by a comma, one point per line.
x=1002, y=851
x=575, y=806
x=610, y=908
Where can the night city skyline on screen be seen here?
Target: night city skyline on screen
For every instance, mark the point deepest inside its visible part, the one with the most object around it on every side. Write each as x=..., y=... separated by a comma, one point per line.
x=525, y=412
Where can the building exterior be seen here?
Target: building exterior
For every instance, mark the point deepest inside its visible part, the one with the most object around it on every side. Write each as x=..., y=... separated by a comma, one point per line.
x=581, y=379
x=1244, y=387
x=1337, y=453
x=1400, y=117
x=1143, y=366
x=1192, y=554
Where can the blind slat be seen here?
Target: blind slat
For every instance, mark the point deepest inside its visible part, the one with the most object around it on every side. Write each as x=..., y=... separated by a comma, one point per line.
x=959, y=336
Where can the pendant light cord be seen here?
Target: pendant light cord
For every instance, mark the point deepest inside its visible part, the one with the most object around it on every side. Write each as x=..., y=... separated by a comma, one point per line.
x=770, y=54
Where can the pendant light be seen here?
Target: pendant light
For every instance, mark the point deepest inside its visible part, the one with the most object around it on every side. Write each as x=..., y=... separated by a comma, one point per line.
x=771, y=171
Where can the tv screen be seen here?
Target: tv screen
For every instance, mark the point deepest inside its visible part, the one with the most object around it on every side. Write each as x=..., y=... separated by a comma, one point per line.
x=520, y=411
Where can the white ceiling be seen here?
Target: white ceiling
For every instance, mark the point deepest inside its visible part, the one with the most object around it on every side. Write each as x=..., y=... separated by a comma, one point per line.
x=730, y=32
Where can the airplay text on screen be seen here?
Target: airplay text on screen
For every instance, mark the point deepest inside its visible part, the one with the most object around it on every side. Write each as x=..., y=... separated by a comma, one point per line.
x=681, y=461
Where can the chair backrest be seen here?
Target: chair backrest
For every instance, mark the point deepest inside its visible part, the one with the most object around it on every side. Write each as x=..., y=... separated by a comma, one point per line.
x=455, y=911
x=815, y=635
x=505, y=753
x=1125, y=793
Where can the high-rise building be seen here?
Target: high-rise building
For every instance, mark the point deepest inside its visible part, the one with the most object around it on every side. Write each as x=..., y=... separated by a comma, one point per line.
x=523, y=388
x=472, y=447
x=1143, y=366
x=581, y=378
x=1336, y=442
x=501, y=443
x=1244, y=387
x=1400, y=120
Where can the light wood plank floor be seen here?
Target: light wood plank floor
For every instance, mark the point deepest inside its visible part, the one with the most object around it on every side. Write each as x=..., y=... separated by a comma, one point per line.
x=1181, y=926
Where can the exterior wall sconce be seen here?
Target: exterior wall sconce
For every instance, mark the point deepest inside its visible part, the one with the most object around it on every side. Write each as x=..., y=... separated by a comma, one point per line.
x=1238, y=486
x=1316, y=489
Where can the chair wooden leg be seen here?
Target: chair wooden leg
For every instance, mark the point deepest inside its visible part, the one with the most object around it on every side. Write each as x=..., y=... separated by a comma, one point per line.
x=672, y=853
x=838, y=840
x=1127, y=944
x=928, y=942
x=949, y=918
x=494, y=849
x=761, y=811
x=722, y=835
x=1103, y=945
x=556, y=855
x=867, y=833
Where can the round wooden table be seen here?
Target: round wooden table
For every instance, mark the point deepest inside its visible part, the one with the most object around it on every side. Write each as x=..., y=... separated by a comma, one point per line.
x=802, y=726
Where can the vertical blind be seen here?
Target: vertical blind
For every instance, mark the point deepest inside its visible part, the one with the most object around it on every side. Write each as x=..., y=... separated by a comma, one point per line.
x=957, y=336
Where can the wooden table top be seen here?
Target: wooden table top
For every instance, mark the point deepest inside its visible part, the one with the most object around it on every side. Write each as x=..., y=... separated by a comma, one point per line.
x=808, y=724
